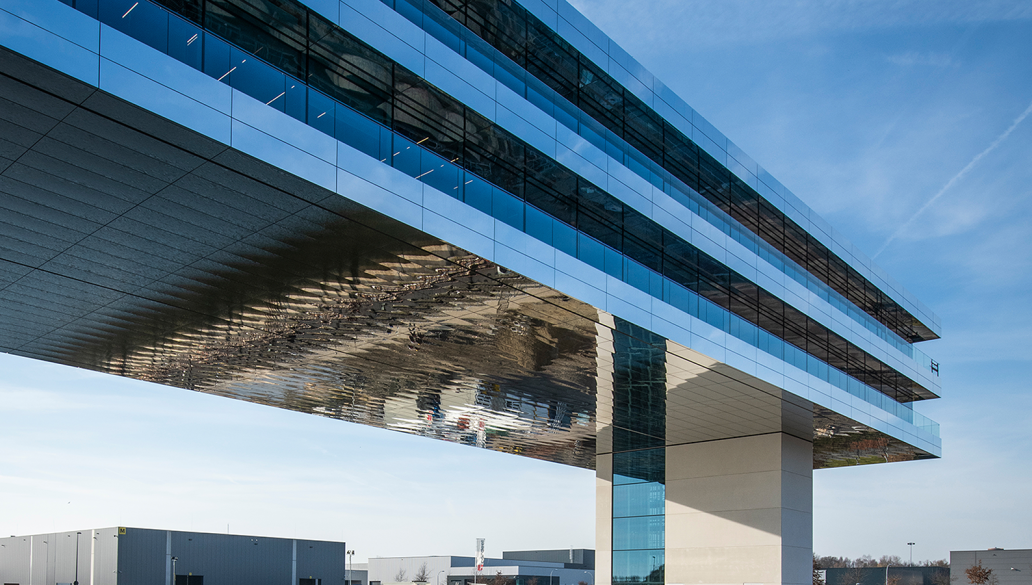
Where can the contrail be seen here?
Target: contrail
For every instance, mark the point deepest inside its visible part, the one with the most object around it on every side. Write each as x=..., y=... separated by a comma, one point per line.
x=956, y=178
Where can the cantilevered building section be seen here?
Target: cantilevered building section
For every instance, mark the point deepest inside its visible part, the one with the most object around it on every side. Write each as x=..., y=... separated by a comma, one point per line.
x=478, y=221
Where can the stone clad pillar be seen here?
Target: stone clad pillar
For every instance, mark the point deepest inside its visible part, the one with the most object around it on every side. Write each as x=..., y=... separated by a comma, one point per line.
x=740, y=511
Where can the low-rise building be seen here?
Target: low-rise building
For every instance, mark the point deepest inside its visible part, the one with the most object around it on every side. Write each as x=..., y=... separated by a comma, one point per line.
x=1010, y=567
x=141, y=556
x=543, y=567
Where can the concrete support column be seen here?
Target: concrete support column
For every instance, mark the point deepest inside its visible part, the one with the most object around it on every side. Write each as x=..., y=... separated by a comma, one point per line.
x=740, y=511
x=604, y=518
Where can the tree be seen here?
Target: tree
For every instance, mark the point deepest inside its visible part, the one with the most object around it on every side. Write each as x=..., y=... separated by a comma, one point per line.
x=817, y=578
x=422, y=575
x=399, y=577
x=979, y=575
x=893, y=560
x=893, y=580
x=499, y=579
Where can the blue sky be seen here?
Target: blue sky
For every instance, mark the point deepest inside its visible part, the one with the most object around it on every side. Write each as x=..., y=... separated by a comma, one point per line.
x=868, y=111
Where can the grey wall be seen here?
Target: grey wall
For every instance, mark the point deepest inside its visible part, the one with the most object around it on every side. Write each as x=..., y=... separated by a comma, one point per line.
x=1000, y=561
x=876, y=576
x=226, y=559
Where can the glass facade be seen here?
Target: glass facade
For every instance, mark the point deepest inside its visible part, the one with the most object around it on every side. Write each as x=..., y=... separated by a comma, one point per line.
x=639, y=461
x=222, y=268
x=384, y=110
x=540, y=51
x=639, y=524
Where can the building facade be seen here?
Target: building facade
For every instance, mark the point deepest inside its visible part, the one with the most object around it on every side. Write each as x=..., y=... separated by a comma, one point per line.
x=555, y=567
x=1009, y=566
x=141, y=556
x=474, y=220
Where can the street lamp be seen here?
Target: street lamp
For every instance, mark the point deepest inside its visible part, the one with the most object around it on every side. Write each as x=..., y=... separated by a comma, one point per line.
x=911, y=545
x=592, y=575
x=351, y=554
x=887, y=565
x=77, y=557
x=174, y=559
x=439, y=576
x=550, y=577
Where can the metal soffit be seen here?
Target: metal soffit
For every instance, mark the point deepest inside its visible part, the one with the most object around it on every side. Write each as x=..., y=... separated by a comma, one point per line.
x=132, y=246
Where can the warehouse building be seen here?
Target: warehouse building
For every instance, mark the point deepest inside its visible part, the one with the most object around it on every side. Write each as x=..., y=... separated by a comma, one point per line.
x=141, y=556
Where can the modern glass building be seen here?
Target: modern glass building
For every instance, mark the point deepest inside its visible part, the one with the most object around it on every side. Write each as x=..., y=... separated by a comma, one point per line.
x=474, y=220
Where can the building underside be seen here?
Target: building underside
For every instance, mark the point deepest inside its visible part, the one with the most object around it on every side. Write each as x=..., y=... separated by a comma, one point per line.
x=136, y=247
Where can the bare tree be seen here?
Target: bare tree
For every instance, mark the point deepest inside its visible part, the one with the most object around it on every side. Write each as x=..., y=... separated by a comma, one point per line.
x=399, y=577
x=893, y=580
x=500, y=579
x=422, y=575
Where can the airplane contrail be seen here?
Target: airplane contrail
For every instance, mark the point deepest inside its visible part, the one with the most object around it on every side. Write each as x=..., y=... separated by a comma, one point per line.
x=955, y=178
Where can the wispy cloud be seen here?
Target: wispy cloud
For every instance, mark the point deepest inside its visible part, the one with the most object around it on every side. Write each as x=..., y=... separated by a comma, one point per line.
x=956, y=178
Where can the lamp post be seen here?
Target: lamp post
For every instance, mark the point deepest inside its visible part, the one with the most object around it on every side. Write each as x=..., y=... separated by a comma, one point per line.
x=77, y=557
x=550, y=577
x=887, y=565
x=911, y=545
x=351, y=554
x=174, y=559
x=590, y=574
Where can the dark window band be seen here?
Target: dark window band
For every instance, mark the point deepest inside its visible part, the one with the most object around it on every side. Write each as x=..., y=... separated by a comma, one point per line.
x=531, y=44
x=339, y=65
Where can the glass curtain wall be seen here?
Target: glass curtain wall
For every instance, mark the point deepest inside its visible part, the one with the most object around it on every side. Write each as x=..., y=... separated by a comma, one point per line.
x=639, y=458
x=361, y=97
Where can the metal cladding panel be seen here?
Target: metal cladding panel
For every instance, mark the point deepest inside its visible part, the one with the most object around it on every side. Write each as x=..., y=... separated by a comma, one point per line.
x=104, y=557
x=228, y=559
x=321, y=560
x=141, y=556
x=47, y=558
x=14, y=560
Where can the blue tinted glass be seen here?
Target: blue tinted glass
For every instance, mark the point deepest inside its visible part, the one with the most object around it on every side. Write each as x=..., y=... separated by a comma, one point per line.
x=591, y=251
x=406, y=157
x=648, y=465
x=87, y=7
x=358, y=131
x=639, y=499
x=478, y=194
x=217, y=58
x=185, y=41
x=296, y=98
x=636, y=275
x=257, y=79
x=539, y=224
x=640, y=532
x=443, y=175
x=564, y=238
x=508, y=209
x=614, y=263
x=320, y=112
x=638, y=566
